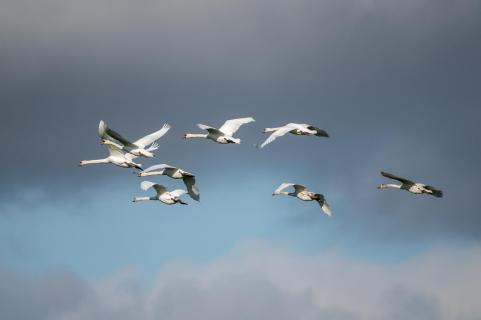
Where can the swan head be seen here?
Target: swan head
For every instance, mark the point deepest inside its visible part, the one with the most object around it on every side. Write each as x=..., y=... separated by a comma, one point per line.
x=381, y=186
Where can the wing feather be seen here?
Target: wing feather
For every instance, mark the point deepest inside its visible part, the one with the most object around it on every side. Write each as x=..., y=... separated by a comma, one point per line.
x=148, y=139
x=299, y=188
x=192, y=190
x=231, y=126
x=158, y=167
x=283, y=186
x=178, y=192
x=278, y=133
x=320, y=132
x=391, y=176
x=106, y=133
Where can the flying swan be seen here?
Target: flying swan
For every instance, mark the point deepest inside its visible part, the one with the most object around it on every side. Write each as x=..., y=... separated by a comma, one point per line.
x=223, y=134
x=300, y=192
x=294, y=128
x=175, y=173
x=167, y=197
x=408, y=185
x=117, y=157
x=137, y=148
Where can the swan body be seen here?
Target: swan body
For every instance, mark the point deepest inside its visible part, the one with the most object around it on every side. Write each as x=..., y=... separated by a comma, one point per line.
x=301, y=193
x=300, y=129
x=408, y=185
x=137, y=148
x=116, y=157
x=224, y=134
x=164, y=196
x=175, y=173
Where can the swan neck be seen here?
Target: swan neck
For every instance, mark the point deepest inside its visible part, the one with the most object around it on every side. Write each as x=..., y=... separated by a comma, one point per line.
x=390, y=185
x=195, y=135
x=268, y=130
x=86, y=162
x=136, y=199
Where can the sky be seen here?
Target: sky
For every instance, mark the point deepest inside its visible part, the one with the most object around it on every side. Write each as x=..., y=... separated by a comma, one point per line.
x=395, y=84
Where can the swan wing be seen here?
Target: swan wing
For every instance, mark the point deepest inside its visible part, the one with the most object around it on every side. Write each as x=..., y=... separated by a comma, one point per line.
x=177, y=192
x=435, y=192
x=325, y=207
x=231, y=126
x=145, y=185
x=148, y=139
x=192, y=190
x=299, y=188
x=114, y=151
x=158, y=167
x=283, y=186
x=391, y=176
x=211, y=130
x=106, y=133
x=319, y=132
x=278, y=133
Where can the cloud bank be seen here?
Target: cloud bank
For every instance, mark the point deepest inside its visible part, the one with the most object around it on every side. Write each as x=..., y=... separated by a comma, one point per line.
x=257, y=281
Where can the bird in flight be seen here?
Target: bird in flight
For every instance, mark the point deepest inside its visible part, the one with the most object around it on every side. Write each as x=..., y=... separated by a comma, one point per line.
x=411, y=186
x=300, y=192
x=224, y=134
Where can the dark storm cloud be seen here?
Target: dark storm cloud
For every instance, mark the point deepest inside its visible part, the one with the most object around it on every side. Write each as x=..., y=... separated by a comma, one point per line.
x=396, y=85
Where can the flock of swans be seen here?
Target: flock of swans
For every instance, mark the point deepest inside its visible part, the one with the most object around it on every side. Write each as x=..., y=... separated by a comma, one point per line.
x=122, y=153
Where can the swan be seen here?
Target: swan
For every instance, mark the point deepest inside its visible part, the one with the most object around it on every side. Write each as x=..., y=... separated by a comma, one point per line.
x=175, y=173
x=137, y=148
x=223, y=134
x=117, y=157
x=294, y=128
x=301, y=193
x=408, y=185
x=167, y=197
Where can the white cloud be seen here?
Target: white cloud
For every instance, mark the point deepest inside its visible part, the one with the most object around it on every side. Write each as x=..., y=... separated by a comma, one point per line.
x=257, y=281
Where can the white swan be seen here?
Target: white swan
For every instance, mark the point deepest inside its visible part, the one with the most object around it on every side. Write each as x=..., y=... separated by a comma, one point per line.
x=137, y=148
x=117, y=157
x=223, y=134
x=167, y=197
x=175, y=173
x=294, y=128
x=408, y=185
x=300, y=192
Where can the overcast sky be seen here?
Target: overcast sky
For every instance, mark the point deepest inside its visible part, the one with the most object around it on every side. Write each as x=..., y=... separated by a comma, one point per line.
x=395, y=84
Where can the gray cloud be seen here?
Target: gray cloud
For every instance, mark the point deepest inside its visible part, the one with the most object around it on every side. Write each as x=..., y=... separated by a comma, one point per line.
x=258, y=282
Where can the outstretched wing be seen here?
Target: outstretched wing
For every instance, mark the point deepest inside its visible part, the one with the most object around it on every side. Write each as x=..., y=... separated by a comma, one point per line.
x=325, y=207
x=391, y=176
x=299, y=188
x=211, y=130
x=145, y=185
x=192, y=190
x=177, y=192
x=114, y=151
x=278, y=133
x=145, y=141
x=231, y=126
x=283, y=186
x=320, y=132
x=106, y=133
x=158, y=167
x=435, y=192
